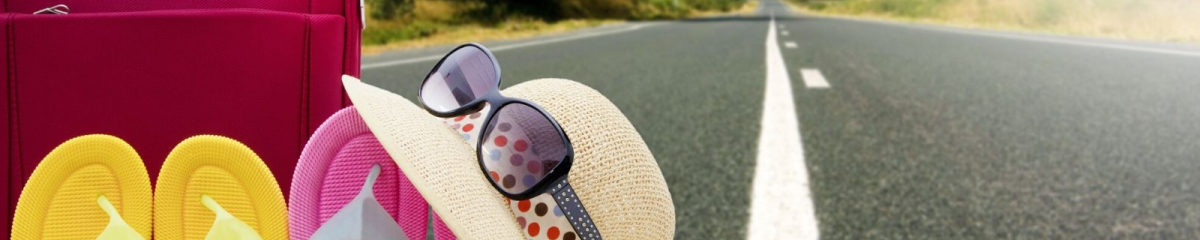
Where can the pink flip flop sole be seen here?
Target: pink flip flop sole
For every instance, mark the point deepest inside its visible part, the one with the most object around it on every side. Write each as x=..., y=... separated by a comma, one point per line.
x=331, y=172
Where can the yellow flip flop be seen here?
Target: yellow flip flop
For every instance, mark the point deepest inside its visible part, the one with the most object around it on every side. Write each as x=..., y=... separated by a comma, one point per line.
x=90, y=187
x=212, y=186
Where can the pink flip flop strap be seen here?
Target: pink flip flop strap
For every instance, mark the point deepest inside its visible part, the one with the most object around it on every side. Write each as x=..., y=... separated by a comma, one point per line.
x=440, y=230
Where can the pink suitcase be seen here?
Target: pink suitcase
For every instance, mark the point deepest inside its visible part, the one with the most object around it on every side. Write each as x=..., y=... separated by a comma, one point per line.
x=152, y=72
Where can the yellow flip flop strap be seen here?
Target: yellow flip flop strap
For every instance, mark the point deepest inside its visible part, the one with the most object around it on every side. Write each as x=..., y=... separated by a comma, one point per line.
x=227, y=227
x=117, y=229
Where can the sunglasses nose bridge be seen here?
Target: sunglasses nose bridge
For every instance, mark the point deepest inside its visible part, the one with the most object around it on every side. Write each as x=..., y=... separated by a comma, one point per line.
x=479, y=107
x=490, y=99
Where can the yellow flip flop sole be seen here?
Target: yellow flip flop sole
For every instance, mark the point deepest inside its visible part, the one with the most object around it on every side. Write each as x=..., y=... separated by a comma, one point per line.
x=60, y=200
x=230, y=174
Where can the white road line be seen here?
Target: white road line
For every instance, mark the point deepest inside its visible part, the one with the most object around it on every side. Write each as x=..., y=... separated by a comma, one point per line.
x=507, y=47
x=781, y=205
x=1015, y=36
x=789, y=44
x=813, y=78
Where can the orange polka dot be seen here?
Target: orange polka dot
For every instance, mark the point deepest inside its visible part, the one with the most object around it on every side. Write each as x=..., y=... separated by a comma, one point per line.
x=468, y=127
x=459, y=118
x=495, y=176
x=552, y=233
x=501, y=141
x=534, y=229
x=523, y=205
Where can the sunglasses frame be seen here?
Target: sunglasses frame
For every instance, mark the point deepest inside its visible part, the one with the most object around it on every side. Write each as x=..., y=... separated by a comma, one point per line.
x=497, y=102
x=473, y=105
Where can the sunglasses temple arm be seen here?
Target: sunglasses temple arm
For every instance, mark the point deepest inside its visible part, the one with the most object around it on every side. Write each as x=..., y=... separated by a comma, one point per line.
x=570, y=205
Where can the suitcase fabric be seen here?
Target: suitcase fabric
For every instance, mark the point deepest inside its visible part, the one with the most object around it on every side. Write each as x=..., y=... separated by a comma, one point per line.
x=264, y=72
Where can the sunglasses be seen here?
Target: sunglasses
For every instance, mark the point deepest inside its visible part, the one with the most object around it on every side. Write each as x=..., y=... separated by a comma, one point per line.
x=522, y=150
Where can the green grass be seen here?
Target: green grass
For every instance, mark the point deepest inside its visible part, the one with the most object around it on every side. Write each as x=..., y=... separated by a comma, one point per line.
x=389, y=35
x=381, y=32
x=904, y=8
x=418, y=23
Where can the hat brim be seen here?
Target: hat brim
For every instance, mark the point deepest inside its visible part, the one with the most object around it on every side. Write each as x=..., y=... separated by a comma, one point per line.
x=437, y=160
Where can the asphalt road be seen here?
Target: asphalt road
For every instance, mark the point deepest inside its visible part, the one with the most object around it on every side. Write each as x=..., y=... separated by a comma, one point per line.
x=925, y=133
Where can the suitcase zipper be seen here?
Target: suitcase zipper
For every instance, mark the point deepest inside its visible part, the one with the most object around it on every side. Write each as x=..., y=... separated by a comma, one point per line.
x=56, y=9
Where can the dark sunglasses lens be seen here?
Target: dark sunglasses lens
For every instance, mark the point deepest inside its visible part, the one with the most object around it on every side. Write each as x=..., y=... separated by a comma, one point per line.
x=520, y=145
x=466, y=74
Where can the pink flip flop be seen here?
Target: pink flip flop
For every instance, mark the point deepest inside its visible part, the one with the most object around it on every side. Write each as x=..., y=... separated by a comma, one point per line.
x=330, y=174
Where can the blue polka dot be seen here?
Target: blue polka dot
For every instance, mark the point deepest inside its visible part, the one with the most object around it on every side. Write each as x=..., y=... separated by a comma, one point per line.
x=528, y=180
x=494, y=154
x=466, y=136
x=557, y=212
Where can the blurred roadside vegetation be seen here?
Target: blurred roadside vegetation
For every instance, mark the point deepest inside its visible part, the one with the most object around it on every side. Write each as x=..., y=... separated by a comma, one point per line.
x=393, y=21
x=1161, y=20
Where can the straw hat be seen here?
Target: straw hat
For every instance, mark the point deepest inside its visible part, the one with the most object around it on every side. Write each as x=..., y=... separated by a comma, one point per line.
x=614, y=174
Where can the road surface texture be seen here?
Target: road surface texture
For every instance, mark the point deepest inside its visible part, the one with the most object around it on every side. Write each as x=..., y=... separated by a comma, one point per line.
x=924, y=132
